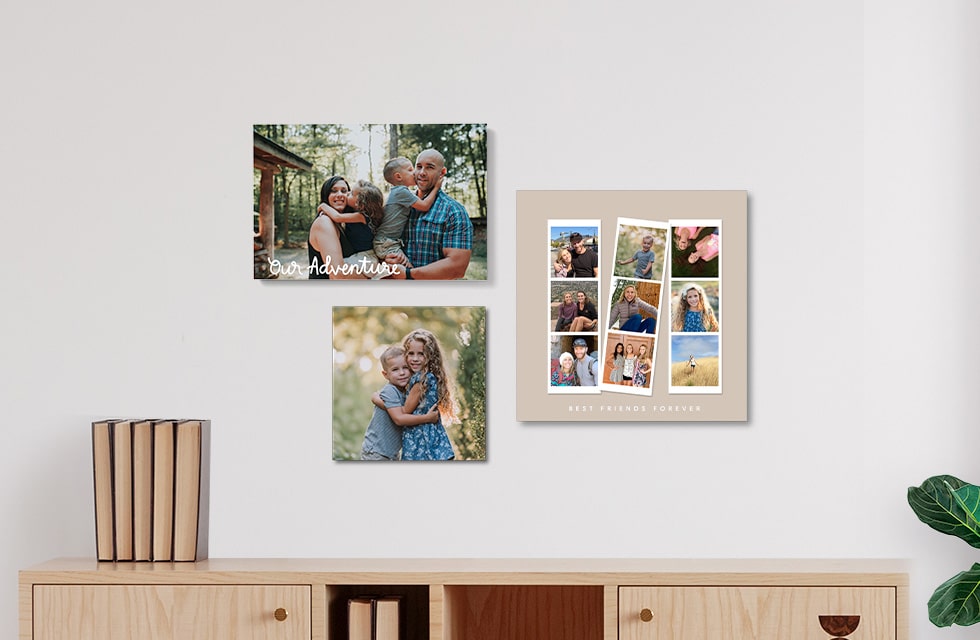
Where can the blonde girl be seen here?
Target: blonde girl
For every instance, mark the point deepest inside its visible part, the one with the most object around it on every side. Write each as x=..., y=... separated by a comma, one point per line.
x=629, y=364
x=683, y=236
x=566, y=312
x=429, y=386
x=693, y=312
x=563, y=265
x=644, y=364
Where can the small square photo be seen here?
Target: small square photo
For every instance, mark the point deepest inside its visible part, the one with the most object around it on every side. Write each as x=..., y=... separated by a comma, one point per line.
x=409, y=383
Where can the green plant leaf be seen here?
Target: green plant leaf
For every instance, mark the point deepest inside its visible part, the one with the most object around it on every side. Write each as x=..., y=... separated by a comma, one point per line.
x=937, y=505
x=957, y=601
x=968, y=497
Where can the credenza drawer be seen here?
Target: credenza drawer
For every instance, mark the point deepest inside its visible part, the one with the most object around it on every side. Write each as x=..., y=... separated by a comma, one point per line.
x=756, y=613
x=164, y=612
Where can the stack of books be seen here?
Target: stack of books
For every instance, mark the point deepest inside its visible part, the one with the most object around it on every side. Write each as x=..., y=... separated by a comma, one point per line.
x=373, y=618
x=151, y=489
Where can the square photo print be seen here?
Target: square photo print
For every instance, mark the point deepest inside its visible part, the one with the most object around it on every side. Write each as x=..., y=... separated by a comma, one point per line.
x=369, y=201
x=409, y=383
x=662, y=336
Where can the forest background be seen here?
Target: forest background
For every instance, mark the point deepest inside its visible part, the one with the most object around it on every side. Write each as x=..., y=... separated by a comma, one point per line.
x=360, y=151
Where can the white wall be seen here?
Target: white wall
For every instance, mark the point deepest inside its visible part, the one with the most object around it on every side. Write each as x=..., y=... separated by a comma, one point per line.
x=126, y=180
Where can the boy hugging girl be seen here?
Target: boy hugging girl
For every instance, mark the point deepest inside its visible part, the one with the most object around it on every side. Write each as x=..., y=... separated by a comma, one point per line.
x=409, y=408
x=387, y=221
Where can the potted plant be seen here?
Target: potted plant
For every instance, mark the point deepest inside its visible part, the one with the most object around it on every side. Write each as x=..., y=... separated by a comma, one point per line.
x=951, y=506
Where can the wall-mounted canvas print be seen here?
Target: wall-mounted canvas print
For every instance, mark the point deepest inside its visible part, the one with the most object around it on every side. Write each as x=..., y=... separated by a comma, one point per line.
x=669, y=328
x=409, y=383
x=370, y=201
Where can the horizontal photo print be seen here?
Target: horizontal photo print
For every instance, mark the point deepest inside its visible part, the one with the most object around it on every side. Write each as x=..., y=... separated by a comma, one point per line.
x=369, y=201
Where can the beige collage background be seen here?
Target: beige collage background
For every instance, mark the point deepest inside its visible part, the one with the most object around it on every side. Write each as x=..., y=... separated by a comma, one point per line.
x=535, y=209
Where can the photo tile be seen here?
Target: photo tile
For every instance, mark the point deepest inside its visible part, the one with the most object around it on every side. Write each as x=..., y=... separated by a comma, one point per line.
x=409, y=383
x=695, y=249
x=573, y=363
x=629, y=363
x=579, y=240
x=695, y=363
x=695, y=306
x=370, y=201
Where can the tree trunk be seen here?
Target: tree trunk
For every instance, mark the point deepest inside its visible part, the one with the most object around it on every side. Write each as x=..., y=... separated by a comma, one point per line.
x=478, y=180
x=267, y=212
x=370, y=153
x=392, y=141
x=285, y=208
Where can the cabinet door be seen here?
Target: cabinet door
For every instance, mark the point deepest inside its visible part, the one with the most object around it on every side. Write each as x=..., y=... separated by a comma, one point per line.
x=756, y=613
x=145, y=612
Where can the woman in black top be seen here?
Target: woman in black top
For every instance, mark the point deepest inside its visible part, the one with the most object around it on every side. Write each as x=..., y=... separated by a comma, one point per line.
x=328, y=244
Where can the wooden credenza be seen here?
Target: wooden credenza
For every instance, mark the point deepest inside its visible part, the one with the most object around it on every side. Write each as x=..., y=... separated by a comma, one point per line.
x=463, y=599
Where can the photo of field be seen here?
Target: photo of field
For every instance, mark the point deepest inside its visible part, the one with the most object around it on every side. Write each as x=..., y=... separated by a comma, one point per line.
x=706, y=369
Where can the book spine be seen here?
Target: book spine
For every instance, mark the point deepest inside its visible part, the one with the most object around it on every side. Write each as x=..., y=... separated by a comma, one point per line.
x=122, y=488
x=204, y=494
x=142, y=489
x=191, y=490
x=164, y=444
x=102, y=473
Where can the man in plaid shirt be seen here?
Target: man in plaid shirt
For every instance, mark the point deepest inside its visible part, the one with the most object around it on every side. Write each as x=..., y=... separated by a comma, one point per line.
x=438, y=242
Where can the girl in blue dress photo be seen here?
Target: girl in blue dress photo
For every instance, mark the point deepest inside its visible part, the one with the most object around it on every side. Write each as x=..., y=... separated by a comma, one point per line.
x=693, y=312
x=428, y=387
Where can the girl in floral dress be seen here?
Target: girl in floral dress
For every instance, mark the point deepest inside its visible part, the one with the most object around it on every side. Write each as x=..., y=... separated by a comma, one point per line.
x=643, y=366
x=428, y=387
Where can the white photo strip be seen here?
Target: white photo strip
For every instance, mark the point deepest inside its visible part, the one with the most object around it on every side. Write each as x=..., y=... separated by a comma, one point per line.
x=695, y=291
x=573, y=312
x=635, y=294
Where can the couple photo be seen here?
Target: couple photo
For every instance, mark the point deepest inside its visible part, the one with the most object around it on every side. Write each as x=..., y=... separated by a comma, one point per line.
x=370, y=202
x=409, y=383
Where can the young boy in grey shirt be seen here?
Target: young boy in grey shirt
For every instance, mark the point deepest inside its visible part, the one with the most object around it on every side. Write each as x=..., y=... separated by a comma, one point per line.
x=400, y=174
x=643, y=258
x=383, y=440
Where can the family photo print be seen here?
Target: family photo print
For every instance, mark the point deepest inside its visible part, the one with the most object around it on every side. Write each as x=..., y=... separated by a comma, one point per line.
x=369, y=202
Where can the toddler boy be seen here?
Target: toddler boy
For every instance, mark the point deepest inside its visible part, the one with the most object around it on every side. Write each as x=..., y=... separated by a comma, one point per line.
x=400, y=174
x=643, y=259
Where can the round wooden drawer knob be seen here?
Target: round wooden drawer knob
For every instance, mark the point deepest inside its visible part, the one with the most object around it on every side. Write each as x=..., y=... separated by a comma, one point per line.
x=281, y=614
x=646, y=615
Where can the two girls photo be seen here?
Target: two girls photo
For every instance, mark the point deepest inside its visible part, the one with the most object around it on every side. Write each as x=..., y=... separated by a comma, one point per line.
x=409, y=383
